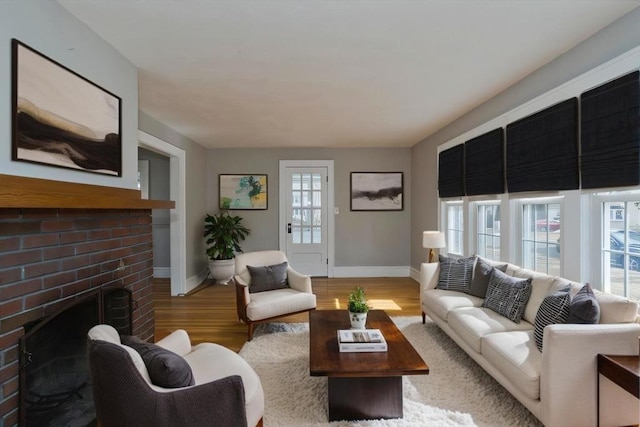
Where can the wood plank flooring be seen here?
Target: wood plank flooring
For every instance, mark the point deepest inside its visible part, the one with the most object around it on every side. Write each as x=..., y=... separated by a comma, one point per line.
x=209, y=313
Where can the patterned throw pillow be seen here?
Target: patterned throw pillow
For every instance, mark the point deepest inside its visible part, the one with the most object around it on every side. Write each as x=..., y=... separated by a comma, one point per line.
x=268, y=278
x=584, y=307
x=455, y=274
x=481, y=276
x=507, y=295
x=554, y=309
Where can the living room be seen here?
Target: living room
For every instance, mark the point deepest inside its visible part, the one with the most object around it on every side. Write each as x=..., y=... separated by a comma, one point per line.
x=381, y=244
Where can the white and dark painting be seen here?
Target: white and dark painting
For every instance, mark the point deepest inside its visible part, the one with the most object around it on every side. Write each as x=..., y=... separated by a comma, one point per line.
x=62, y=119
x=376, y=191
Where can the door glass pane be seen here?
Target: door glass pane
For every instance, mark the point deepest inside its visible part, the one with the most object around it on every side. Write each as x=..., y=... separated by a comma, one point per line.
x=306, y=181
x=317, y=235
x=306, y=200
x=317, y=199
x=295, y=198
x=317, y=181
x=317, y=217
x=296, y=235
x=306, y=234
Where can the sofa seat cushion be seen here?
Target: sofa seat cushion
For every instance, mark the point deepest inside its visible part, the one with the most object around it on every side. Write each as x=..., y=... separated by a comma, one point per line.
x=264, y=305
x=472, y=324
x=210, y=362
x=441, y=302
x=515, y=355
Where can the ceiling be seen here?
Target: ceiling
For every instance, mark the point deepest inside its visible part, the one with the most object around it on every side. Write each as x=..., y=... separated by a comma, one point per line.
x=323, y=73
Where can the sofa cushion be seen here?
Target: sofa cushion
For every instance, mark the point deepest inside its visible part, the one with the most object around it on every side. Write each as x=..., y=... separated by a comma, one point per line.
x=455, y=274
x=472, y=324
x=166, y=368
x=441, y=302
x=584, y=307
x=541, y=286
x=481, y=276
x=268, y=278
x=507, y=295
x=616, y=309
x=514, y=354
x=554, y=309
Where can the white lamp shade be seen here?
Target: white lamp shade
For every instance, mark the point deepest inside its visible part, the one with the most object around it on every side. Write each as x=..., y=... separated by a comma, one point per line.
x=433, y=239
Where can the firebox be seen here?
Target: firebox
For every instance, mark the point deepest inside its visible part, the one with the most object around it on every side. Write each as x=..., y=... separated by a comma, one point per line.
x=55, y=384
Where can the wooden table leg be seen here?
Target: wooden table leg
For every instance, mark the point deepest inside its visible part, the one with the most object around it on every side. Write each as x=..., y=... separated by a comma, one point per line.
x=366, y=398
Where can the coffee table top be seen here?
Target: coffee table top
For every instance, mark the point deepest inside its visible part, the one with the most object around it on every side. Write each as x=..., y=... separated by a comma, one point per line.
x=325, y=359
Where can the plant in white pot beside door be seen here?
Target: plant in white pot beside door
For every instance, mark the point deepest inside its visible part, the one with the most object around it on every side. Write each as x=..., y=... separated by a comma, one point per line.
x=358, y=308
x=224, y=232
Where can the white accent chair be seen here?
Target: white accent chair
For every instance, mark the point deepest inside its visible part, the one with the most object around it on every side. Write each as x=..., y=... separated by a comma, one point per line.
x=268, y=305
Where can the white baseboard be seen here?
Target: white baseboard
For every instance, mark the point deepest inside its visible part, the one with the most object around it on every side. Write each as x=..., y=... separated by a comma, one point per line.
x=162, y=272
x=195, y=281
x=371, y=271
x=415, y=274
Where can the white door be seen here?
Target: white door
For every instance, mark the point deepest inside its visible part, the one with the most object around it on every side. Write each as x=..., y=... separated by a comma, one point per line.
x=304, y=216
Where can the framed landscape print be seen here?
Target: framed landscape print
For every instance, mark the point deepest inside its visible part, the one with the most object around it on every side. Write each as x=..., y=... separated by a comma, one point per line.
x=243, y=192
x=62, y=119
x=376, y=191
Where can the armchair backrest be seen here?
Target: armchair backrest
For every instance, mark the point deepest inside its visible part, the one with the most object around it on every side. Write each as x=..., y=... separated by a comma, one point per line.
x=257, y=259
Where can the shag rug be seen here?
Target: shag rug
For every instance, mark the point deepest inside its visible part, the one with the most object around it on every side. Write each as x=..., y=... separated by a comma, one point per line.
x=457, y=391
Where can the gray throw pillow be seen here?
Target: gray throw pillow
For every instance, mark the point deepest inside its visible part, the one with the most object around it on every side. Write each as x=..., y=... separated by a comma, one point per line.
x=268, y=278
x=481, y=276
x=554, y=309
x=455, y=274
x=507, y=295
x=166, y=368
x=584, y=307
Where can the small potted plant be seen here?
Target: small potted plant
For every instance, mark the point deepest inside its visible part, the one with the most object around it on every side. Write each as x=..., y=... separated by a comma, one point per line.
x=358, y=308
x=224, y=233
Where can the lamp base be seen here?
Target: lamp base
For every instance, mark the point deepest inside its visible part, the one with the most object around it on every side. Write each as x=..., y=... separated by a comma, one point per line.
x=432, y=255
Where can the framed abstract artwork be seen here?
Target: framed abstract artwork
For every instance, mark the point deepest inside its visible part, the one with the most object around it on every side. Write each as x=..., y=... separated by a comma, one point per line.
x=60, y=118
x=243, y=192
x=376, y=191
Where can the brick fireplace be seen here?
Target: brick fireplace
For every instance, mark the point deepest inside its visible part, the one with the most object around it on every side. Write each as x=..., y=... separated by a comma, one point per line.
x=50, y=257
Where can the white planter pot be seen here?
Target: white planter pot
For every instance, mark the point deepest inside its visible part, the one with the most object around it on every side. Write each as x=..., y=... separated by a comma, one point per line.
x=222, y=270
x=358, y=320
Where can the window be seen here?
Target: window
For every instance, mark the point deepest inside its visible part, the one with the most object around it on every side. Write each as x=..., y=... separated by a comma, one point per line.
x=488, y=230
x=455, y=228
x=541, y=237
x=621, y=247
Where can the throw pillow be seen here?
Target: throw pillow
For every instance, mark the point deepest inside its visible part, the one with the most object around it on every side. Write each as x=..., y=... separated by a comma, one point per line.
x=507, y=295
x=481, y=276
x=455, y=274
x=554, y=309
x=268, y=278
x=584, y=307
x=166, y=368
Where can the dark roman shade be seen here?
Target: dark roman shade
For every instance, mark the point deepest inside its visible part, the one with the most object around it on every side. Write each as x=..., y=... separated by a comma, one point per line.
x=451, y=172
x=484, y=164
x=610, y=141
x=542, y=150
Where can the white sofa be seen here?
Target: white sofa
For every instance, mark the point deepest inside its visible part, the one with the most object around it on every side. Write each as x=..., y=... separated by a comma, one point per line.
x=558, y=385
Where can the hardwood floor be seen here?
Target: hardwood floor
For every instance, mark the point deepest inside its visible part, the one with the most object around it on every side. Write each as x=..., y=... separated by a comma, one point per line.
x=209, y=313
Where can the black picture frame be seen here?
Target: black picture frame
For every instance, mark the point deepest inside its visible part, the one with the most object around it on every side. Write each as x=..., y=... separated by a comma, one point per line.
x=377, y=191
x=62, y=119
x=243, y=191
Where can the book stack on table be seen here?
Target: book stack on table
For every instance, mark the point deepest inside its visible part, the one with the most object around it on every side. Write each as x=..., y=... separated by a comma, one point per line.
x=361, y=340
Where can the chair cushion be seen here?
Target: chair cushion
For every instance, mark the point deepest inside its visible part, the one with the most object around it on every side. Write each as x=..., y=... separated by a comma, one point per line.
x=268, y=278
x=584, y=307
x=481, y=276
x=554, y=309
x=455, y=274
x=507, y=295
x=264, y=305
x=166, y=368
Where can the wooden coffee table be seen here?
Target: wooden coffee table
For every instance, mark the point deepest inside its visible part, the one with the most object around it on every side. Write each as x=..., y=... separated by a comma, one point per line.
x=361, y=385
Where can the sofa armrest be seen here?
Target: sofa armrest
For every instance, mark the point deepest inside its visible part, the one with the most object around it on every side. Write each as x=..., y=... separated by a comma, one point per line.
x=298, y=281
x=568, y=375
x=429, y=272
x=177, y=341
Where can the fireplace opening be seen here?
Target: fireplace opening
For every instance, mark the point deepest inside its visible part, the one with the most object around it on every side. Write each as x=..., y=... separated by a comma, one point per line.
x=55, y=383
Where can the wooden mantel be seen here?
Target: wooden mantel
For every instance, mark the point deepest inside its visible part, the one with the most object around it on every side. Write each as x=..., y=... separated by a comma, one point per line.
x=23, y=192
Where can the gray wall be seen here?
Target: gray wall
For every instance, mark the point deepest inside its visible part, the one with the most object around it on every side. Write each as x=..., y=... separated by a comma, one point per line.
x=615, y=39
x=48, y=28
x=361, y=238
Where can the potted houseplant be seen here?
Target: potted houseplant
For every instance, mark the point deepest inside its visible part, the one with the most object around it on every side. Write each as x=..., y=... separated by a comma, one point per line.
x=224, y=233
x=358, y=308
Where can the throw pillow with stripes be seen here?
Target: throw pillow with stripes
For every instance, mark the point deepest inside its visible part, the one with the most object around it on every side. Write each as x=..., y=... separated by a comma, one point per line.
x=455, y=274
x=507, y=295
x=554, y=309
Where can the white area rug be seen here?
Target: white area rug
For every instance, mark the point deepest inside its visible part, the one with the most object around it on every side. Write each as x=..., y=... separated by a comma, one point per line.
x=457, y=392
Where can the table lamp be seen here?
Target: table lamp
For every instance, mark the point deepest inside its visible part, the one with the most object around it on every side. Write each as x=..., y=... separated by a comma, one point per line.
x=432, y=240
